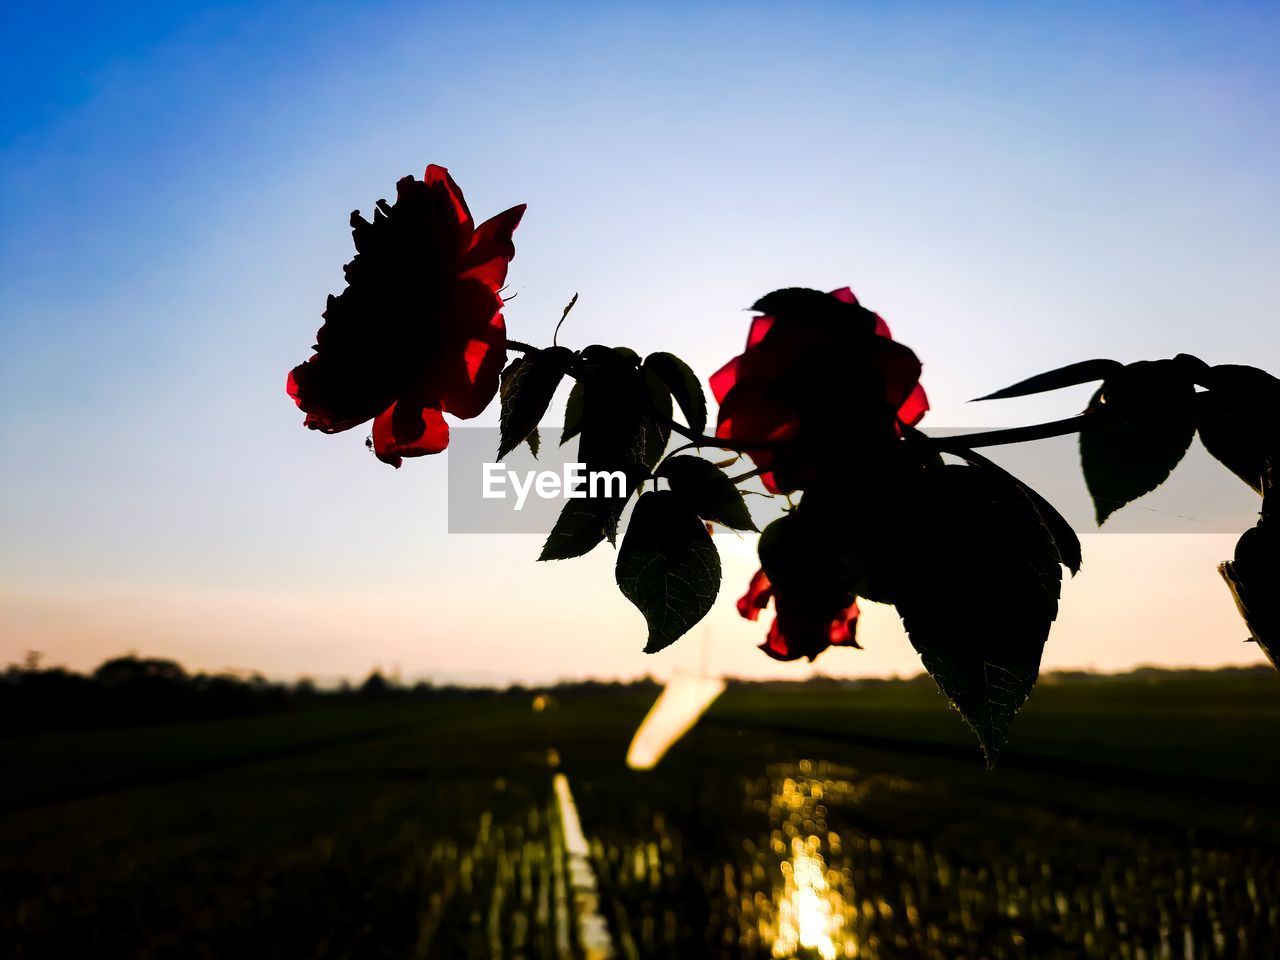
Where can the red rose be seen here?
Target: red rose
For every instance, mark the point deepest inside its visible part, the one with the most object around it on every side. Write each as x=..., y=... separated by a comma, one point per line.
x=418, y=331
x=819, y=369
x=801, y=628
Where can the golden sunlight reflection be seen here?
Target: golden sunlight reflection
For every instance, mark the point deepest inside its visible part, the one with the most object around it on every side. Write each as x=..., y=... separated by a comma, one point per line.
x=810, y=909
x=823, y=861
x=807, y=913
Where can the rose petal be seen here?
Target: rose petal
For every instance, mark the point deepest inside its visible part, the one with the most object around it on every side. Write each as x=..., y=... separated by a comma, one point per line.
x=467, y=376
x=722, y=380
x=776, y=646
x=442, y=185
x=334, y=396
x=899, y=369
x=760, y=420
x=843, y=628
x=492, y=249
x=914, y=408
x=760, y=326
x=800, y=630
x=756, y=598
x=747, y=415
x=403, y=430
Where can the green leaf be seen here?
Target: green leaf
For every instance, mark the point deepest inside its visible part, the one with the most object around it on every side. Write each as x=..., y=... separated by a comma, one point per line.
x=508, y=387
x=655, y=425
x=527, y=386
x=1256, y=608
x=614, y=434
x=577, y=531
x=1154, y=402
x=683, y=384
x=650, y=442
x=534, y=441
x=668, y=567
x=1064, y=537
x=982, y=594
x=1240, y=420
x=709, y=493
x=1087, y=371
x=572, y=414
x=1254, y=571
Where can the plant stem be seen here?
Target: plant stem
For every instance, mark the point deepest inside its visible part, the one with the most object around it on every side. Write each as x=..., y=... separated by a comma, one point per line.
x=555, y=336
x=720, y=443
x=1038, y=431
x=680, y=449
x=988, y=438
x=748, y=475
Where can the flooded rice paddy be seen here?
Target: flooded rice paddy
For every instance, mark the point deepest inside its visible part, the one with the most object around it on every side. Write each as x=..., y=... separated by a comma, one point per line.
x=484, y=830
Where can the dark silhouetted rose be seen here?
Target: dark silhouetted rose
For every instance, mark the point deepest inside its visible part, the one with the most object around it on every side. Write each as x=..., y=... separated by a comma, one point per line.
x=820, y=375
x=801, y=627
x=418, y=331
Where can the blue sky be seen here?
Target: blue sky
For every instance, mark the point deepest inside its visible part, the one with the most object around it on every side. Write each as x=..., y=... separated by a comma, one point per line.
x=1013, y=187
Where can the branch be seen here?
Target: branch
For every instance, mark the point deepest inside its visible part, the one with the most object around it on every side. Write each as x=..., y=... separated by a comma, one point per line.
x=988, y=438
x=1039, y=431
x=720, y=443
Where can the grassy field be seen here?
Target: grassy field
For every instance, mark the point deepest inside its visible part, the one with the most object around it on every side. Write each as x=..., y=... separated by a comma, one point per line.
x=1132, y=817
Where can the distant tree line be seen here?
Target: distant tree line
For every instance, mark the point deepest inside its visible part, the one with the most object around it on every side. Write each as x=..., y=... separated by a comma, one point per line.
x=133, y=690
x=1262, y=672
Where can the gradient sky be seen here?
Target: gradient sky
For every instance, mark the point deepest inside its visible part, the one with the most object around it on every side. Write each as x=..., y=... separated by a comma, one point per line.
x=1012, y=186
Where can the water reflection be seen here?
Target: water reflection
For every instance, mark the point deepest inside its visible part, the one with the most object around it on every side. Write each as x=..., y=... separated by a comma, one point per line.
x=810, y=908
x=810, y=913
x=817, y=860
